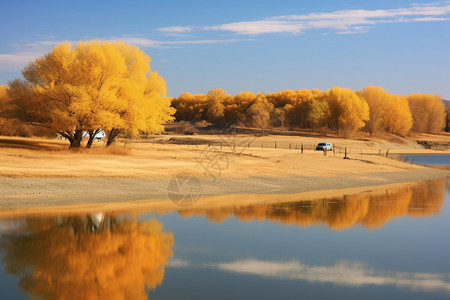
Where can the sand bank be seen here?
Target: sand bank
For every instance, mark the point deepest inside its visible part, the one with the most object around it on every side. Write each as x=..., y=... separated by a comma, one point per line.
x=46, y=176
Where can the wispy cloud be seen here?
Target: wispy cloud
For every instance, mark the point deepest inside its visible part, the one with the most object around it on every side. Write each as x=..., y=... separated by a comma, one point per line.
x=341, y=21
x=31, y=51
x=177, y=29
x=345, y=273
x=147, y=43
x=15, y=61
x=341, y=273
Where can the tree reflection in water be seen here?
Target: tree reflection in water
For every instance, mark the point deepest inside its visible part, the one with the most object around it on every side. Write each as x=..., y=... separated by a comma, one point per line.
x=370, y=210
x=89, y=257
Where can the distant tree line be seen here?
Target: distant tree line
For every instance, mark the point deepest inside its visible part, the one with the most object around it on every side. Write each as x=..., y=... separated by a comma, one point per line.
x=92, y=86
x=342, y=110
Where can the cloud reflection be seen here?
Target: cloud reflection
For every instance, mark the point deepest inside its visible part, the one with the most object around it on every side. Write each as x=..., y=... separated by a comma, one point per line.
x=345, y=273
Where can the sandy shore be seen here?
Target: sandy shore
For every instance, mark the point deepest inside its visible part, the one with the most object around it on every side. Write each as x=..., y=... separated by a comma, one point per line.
x=18, y=193
x=47, y=176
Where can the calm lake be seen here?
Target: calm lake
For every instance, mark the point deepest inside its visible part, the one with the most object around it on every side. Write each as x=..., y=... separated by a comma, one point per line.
x=389, y=245
x=428, y=159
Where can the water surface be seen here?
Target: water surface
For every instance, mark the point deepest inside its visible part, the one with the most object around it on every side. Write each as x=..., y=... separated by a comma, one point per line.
x=428, y=159
x=390, y=245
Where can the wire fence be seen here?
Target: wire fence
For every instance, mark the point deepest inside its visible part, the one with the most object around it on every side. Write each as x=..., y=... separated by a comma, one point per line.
x=298, y=147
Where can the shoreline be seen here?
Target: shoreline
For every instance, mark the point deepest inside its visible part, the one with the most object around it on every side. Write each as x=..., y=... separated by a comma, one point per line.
x=35, y=174
x=139, y=194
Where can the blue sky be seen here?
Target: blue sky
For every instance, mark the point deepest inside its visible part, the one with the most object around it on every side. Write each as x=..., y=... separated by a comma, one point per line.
x=403, y=46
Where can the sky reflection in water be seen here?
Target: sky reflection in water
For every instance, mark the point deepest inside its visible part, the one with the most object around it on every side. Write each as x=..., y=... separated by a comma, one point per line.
x=393, y=244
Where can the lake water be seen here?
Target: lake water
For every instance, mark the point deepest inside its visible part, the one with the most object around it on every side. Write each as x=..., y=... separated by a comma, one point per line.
x=389, y=245
x=428, y=159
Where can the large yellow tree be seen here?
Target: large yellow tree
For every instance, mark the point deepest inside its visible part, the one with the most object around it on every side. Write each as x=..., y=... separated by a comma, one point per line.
x=387, y=112
x=92, y=86
x=347, y=111
x=428, y=112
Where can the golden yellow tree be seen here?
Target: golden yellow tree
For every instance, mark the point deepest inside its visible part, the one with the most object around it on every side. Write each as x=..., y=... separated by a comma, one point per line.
x=347, y=111
x=215, y=109
x=387, y=112
x=377, y=99
x=5, y=126
x=428, y=112
x=89, y=87
x=398, y=119
x=9, y=125
x=189, y=107
x=259, y=112
x=87, y=257
x=236, y=110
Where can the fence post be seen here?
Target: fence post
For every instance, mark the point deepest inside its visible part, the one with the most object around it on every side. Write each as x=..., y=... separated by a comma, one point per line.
x=275, y=144
x=302, y=147
x=345, y=156
x=290, y=146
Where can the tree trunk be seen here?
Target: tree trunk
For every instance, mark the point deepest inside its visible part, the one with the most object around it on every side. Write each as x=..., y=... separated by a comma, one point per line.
x=92, y=134
x=112, y=136
x=75, y=140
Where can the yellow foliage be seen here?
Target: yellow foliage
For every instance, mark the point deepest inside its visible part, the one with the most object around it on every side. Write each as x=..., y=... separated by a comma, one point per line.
x=92, y=86
x=428, y=112
x=398, y=118
x=189, y=107
x=215, y=108
x=77, y=258
x=387, y=112
x=8, y=125
x=237, y=109
x=259, y=112
x=348, y=111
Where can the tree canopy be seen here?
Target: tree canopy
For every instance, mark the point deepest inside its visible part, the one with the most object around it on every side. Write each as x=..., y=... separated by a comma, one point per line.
x=89, y=87
x=428, y=112
x=372, y=109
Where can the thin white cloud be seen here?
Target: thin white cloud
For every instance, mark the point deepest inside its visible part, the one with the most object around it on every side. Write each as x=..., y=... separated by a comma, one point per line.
x=259, y=27
x=341, y=273
x=343, y=21
x=176, y=263
x=147, y=43
x=19, y=57
x=17, y=60
x=176, y=29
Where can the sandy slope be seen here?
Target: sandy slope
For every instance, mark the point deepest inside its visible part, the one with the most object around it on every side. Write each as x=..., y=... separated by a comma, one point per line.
x=38, y=172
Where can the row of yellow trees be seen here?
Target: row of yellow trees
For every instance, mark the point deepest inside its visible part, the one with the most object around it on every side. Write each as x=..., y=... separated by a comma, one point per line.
x=92, y=86
x=343, y=110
